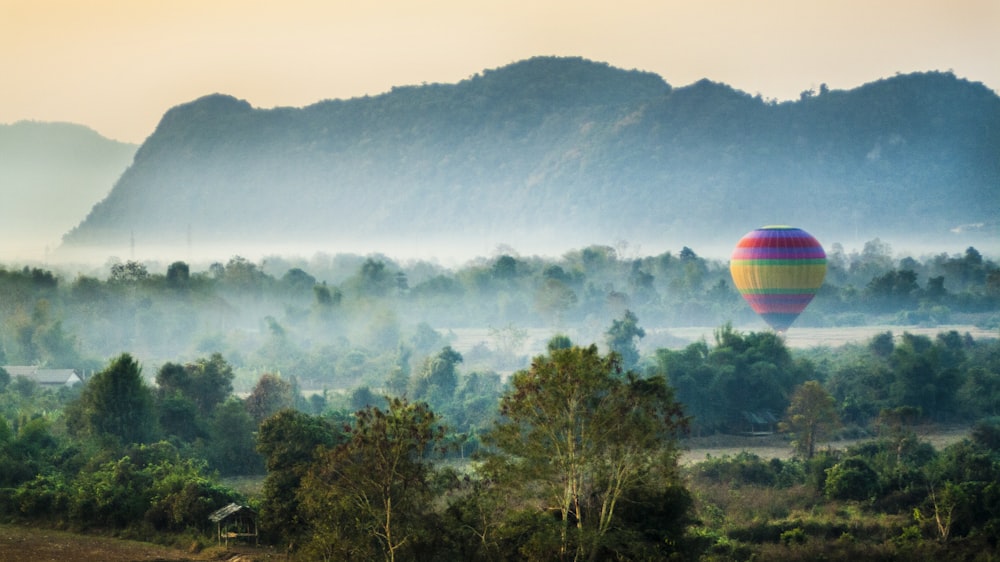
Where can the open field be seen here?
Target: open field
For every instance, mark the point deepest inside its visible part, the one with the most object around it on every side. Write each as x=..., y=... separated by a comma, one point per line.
x=777, y=446
x=835, y=337
x=464, y=339
x=19, y=543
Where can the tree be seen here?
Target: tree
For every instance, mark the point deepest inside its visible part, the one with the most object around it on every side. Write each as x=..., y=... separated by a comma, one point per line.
x=128, y=272
x=754, y=373
x=369, y=496
x=206, y=382
x=116, y=404
x=893, y=289
x=851, y=479
x=270, y=395
x=232, y=446
x=437, y=380
x=582, y=434
x=622, y=336
x=504, y=268
x=554, y=298
x=362, y=397
x=289, y=442
x=178, y=274
x=811, y=414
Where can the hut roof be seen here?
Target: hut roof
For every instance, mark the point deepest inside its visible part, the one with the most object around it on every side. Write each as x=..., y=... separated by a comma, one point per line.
x=220, y=514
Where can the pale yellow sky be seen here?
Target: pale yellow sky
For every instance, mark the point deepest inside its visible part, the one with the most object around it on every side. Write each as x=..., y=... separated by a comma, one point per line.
x=118, y=65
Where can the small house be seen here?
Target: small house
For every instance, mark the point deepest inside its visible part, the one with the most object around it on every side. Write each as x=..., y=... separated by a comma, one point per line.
x=759, y=423
x=47, y=378
x=236, y=522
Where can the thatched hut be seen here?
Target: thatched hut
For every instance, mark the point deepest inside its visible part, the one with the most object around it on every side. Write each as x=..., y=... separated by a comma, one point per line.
x=237, y=522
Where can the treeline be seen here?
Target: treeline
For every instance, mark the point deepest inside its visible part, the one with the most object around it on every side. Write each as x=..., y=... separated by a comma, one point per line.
x=743, y=382
x=335, y=321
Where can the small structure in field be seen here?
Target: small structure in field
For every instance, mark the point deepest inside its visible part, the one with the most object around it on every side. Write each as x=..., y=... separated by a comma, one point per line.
x=759, y=423
x=236, y=522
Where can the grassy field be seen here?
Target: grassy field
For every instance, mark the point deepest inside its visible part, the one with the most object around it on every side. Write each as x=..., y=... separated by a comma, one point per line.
x=835, y=337
x=777, y=446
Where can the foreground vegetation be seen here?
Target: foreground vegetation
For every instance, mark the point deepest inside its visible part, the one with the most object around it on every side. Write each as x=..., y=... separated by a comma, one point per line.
x=432, y=454
x=579, y=461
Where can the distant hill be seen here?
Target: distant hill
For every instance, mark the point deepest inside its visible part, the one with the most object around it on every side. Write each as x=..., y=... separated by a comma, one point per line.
x=51, y=175
x=561, y=153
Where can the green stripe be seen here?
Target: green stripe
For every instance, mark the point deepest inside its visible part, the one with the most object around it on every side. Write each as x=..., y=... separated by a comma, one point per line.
x=785, y=262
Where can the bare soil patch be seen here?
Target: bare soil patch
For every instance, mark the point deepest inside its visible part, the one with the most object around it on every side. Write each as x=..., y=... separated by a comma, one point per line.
x=19, y=543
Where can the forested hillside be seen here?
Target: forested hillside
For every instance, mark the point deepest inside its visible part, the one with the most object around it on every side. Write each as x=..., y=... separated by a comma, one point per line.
x=561, y=153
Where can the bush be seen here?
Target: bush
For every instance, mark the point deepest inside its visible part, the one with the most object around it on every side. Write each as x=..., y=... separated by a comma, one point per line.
x=748, y=469
x=851, y=479
x=793, y=536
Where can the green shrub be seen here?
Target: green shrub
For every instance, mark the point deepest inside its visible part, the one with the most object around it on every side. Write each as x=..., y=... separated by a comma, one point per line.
x=851, y=479
x=793, y=536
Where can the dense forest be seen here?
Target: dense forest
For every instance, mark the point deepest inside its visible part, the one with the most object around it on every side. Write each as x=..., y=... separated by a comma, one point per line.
x=553, y=153
x=342, y=388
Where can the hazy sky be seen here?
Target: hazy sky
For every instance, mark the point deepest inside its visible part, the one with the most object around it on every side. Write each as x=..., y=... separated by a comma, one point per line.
x=117, y=66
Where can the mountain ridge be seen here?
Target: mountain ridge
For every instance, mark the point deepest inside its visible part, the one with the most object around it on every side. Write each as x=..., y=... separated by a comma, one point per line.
x=51, y=174
x=560, y=151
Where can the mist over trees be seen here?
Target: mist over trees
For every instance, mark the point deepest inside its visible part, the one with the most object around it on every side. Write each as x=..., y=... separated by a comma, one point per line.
x=346, y=321
x=350, y=389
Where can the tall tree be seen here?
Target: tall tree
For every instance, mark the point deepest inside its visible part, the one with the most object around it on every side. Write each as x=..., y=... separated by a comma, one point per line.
x=116, y=404
x=811, y=414
x=622, y=338
x=269, y=396
x=582, y=434
x=206, y=382
x=289, y=442
x=368, y=497
x=437, y=380
x=232, y=447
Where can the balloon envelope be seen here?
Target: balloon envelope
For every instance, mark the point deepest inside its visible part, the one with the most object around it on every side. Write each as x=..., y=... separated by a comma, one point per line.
x=778, y=270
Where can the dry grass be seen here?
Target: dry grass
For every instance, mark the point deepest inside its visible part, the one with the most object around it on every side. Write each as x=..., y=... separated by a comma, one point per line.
x=20, y=543
x=778, y=446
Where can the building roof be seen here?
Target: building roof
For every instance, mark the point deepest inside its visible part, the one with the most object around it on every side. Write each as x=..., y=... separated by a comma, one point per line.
x=44, y=376
x=220, y=514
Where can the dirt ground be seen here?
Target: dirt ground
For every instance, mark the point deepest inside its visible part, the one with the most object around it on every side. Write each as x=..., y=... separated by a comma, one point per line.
x=20, y=543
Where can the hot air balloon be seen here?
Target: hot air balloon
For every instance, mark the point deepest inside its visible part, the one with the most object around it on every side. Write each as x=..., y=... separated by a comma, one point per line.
x=778, y=270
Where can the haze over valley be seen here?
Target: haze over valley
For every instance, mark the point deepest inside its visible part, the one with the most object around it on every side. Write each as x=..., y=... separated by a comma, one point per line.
x=486, y=318
x=542, y=156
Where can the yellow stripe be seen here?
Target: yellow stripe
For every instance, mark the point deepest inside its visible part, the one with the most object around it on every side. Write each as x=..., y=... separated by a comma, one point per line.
x=777, y=276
